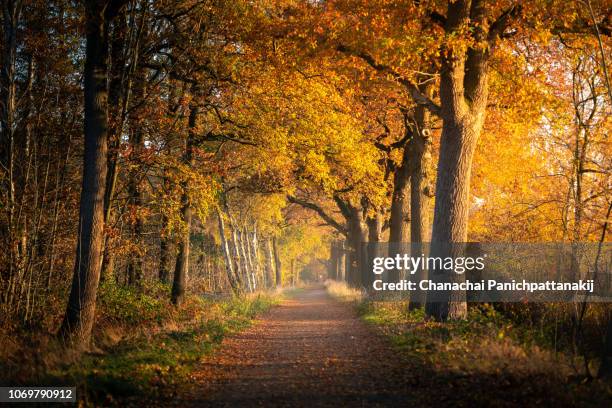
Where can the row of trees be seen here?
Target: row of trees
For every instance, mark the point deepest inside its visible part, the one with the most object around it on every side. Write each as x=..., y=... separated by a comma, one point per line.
x=213, y=132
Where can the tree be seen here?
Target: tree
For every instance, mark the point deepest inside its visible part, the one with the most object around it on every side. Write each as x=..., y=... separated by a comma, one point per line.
x=79, y=318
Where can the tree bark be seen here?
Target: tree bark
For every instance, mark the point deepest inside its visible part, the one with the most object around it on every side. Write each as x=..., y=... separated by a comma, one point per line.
x=464, y=94
x=357, y=238
x=135, y=264
x=277, y=264
x=333, y=261
x=342, y=262
x=420, y=147
x=182, y=259
x=374, y=225
x=269, y=259
x=227, y=256
x=79, y=318
x=399, y=219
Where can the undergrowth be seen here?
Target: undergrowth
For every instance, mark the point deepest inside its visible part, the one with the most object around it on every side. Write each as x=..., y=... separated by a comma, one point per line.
x=144, y=347
x=496, y=346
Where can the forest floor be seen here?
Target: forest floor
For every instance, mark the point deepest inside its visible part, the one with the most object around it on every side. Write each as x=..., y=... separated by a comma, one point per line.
x=314, y=351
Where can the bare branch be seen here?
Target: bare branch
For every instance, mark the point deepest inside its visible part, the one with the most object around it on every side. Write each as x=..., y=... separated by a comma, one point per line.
x=320, y=212
x=416, y=95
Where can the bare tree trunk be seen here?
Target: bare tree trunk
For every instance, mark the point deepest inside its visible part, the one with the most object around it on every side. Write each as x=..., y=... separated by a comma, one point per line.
x=244, y=263
x=246, y=242
x=259, y=275
x=229, y=264
x=342, y=262
x=269, y=259
x=236, y=257
x=182, y=259
x=277, y=264
x=79, y=318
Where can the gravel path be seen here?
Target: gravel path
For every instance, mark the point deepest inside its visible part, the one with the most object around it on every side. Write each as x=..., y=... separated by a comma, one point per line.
x=311, y=351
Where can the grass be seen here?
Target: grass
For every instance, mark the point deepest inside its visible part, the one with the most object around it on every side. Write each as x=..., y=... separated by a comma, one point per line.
x=144, y=347
x=342, y=292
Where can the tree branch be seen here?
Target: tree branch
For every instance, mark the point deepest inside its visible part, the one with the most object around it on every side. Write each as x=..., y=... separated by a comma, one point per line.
x=324, y=216
x=411, y=87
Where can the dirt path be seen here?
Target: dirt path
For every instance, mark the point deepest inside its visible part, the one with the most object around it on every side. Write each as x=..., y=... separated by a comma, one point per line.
x=310, y=351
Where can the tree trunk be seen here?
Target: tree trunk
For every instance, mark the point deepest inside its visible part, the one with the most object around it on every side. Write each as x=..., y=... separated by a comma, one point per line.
x=118, y=100
x=463, y=96
x=256, y=259
x=79, y=318
x=357, y=237
x=135, y=263
x=452, y=205
x=236, y=259
x=420, y=191
x=373, y=249
x=229, y=265
x=269, y=259
x=182, y=259
x=399, y=220
x=333, y=261
x=277, y=264
x=164, y=260
x=244, y=262
x=342, y=262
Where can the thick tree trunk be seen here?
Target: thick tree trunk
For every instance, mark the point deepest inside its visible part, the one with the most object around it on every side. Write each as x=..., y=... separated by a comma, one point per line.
x=277, y=264
x=357, y=237
x=452, y=205
x=420, y=192
x=333, y=261
x=464, y=95
x=78, y=321
x=399, y=230
x=374, y=224
x=182, y=259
